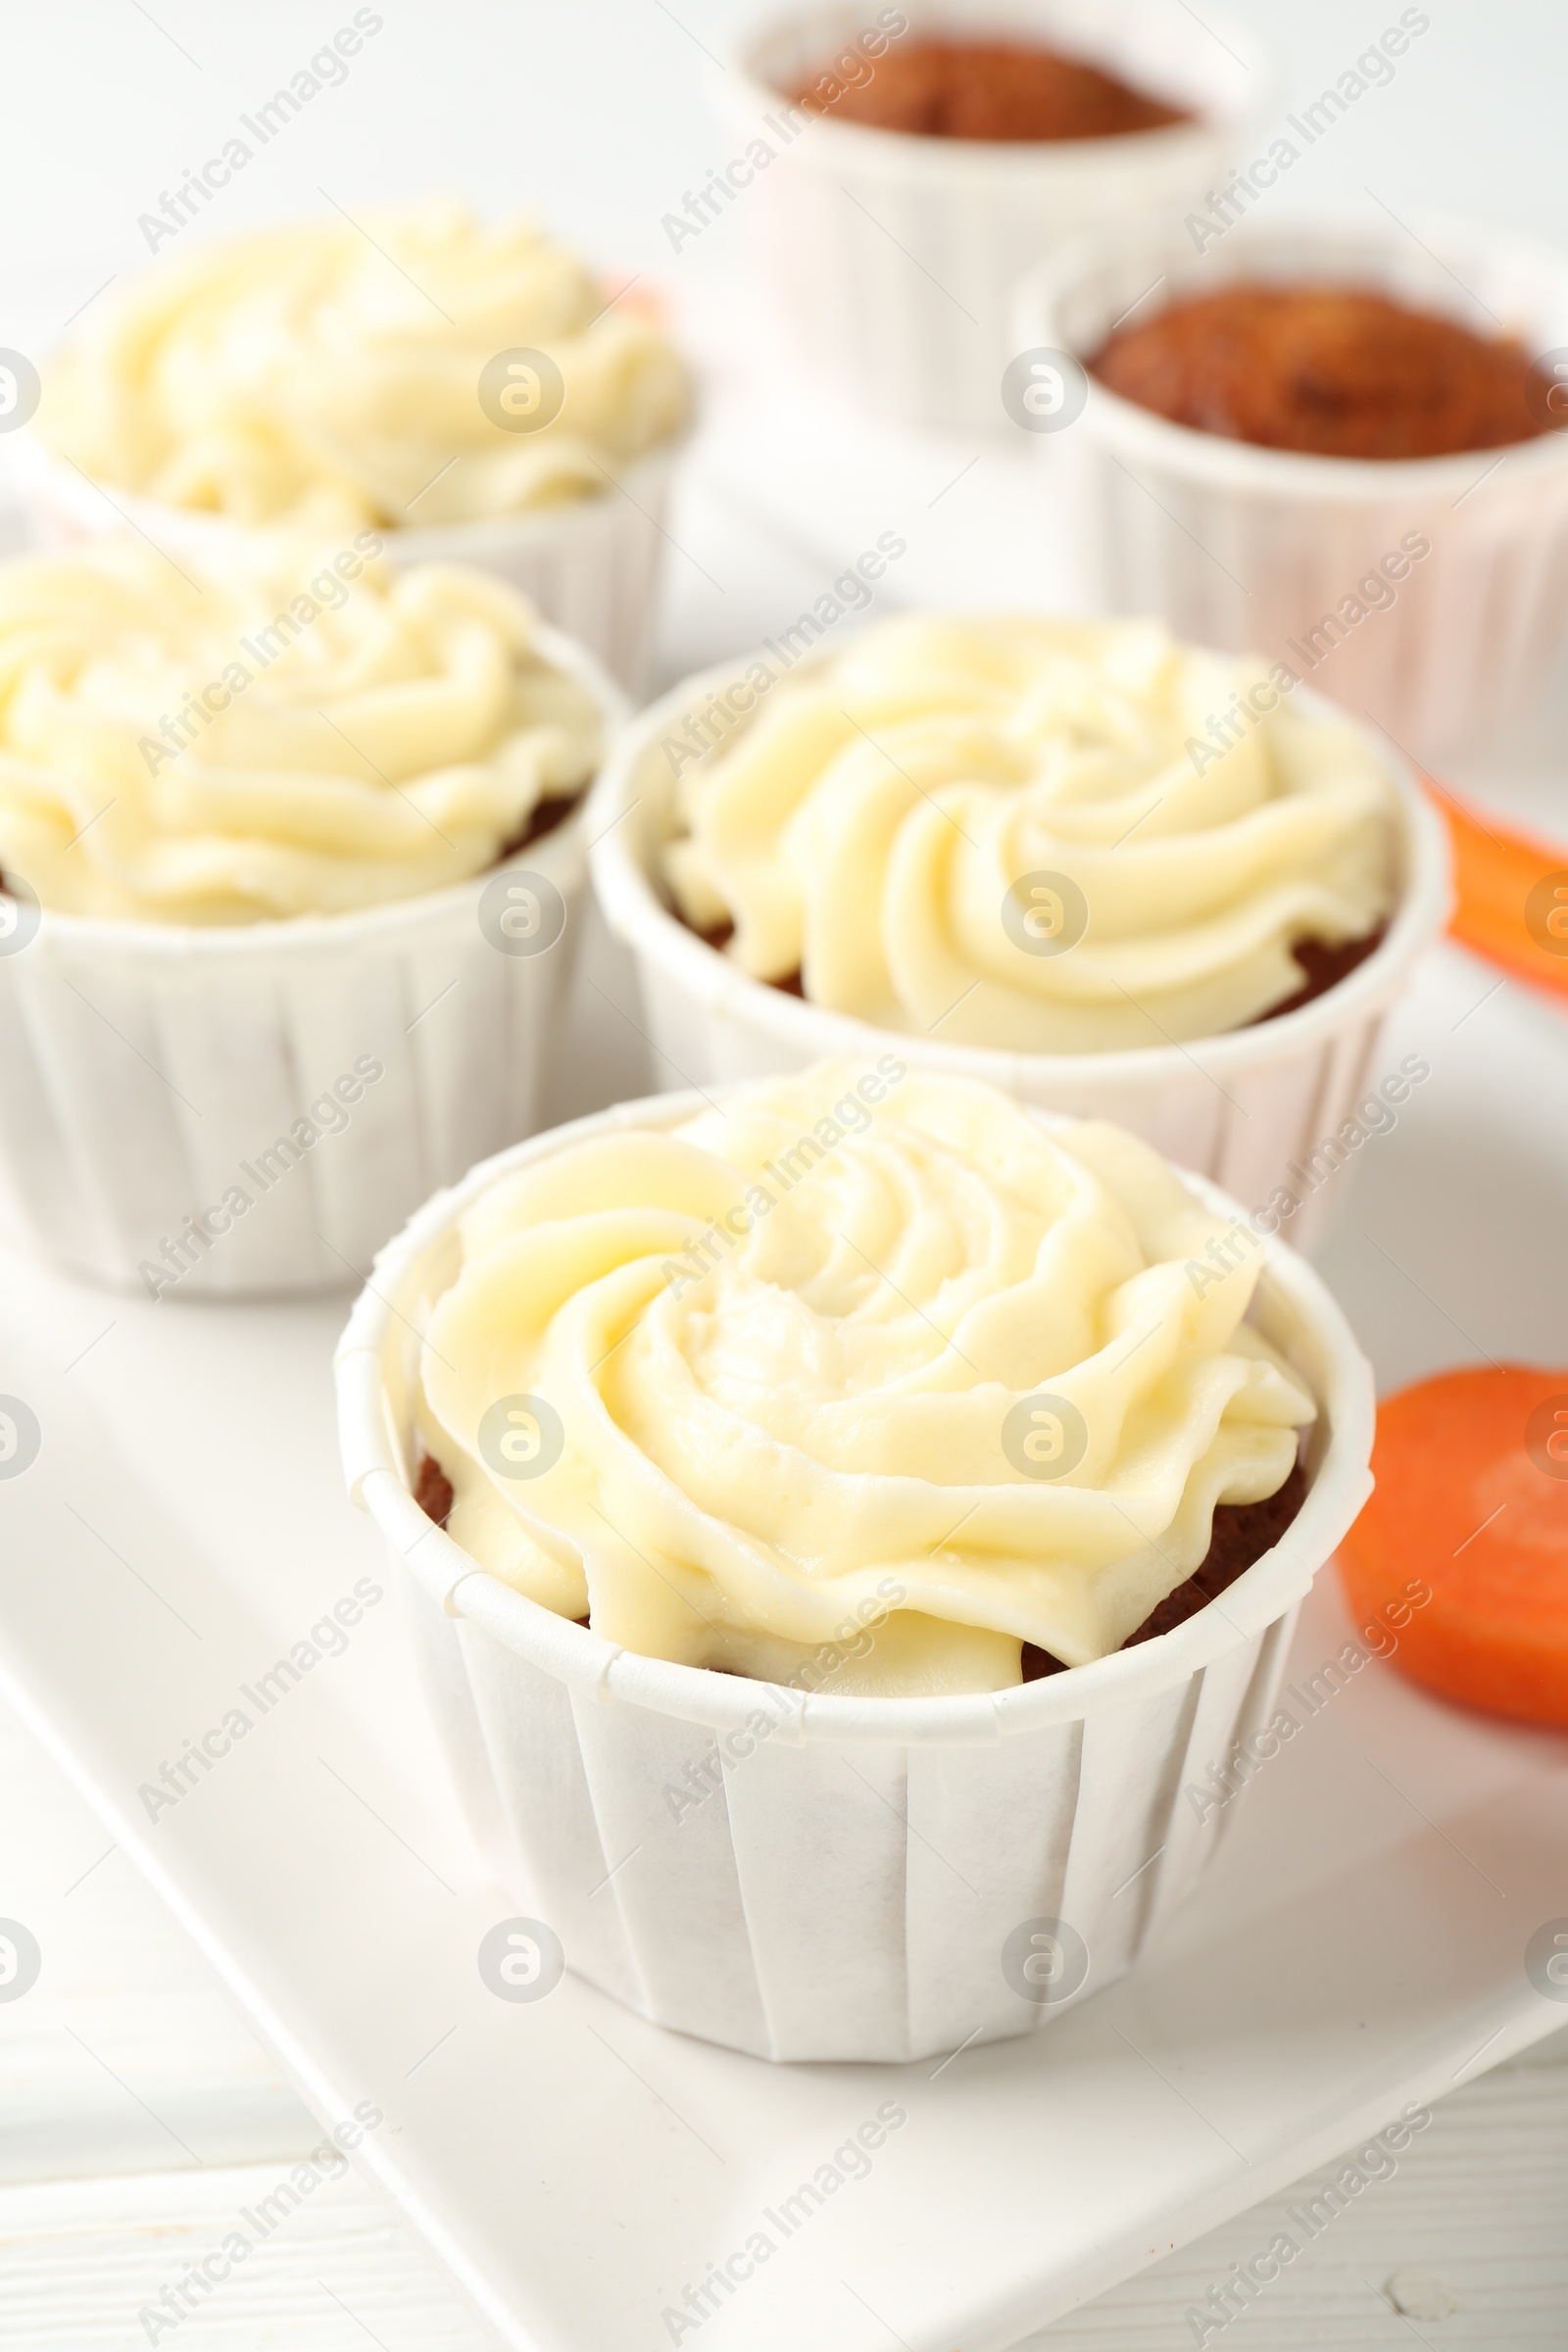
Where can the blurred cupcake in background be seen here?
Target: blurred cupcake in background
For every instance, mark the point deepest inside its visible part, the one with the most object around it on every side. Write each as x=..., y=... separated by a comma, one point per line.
x=468, y=391
x=1335, y=442
x=902, y=167
x=300, y=823
x=1108, y=872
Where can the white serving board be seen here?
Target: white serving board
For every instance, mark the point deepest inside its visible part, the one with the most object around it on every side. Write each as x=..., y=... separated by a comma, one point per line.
x=1358, y=1945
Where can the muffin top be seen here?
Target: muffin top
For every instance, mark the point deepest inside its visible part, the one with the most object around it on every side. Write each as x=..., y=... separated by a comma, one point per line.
x=858, y=1366
x=1047, y=836
x=1335, y=371
x=306, y=732
x=984, y=90
x=330, y=373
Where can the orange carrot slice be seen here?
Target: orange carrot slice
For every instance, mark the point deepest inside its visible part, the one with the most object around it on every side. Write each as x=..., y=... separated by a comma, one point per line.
x=1471, y=1508
x=1511, y=895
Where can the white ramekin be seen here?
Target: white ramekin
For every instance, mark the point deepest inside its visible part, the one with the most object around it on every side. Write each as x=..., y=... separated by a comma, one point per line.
x=146, y=1067
x=849, y=1888
x=891, y=258
x=1237, y=1108
x=590, y=567
x=1250, y=548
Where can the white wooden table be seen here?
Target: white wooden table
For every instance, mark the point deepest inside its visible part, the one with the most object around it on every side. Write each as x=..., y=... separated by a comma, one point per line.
x=136, y=2111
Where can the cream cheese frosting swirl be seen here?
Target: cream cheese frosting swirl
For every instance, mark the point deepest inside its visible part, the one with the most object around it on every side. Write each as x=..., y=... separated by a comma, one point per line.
x=1045, y=836
x=308, y=732
x=859, y=1366
x=327, y=373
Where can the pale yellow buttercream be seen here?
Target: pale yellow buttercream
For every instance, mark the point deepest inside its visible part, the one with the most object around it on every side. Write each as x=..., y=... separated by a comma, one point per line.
x=306, y=732
x=781, y=1344
x=330, y=370
x=867, y=822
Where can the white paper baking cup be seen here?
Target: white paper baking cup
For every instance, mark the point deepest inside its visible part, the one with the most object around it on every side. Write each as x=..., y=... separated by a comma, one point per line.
x=892, y=258
x=590, y=567
x=1250, y=548
x=860, y=1885
x=1237, y=1108
x=145, y=1069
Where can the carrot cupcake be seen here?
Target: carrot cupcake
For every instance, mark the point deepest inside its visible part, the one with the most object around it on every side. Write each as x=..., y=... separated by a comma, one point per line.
x=846, y=1434
x=467, y=391
x=1108, y=871
x=260, y=830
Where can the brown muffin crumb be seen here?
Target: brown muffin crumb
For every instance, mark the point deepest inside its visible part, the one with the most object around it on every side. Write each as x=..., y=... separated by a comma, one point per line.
x=1332, y=372
x=545, y=816
x=1242, y=1531
x=433, y=1490
x=994, y=91
x=1322, y=966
